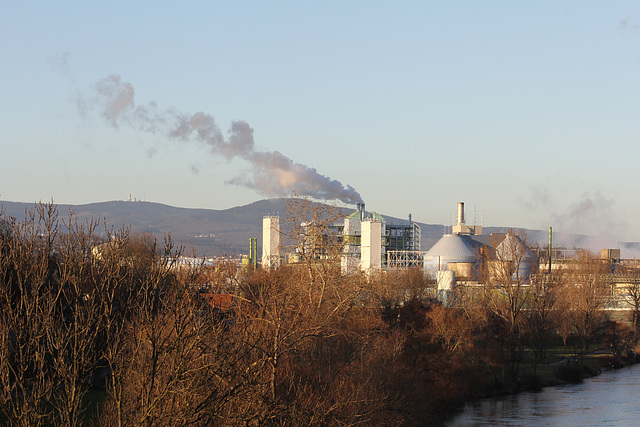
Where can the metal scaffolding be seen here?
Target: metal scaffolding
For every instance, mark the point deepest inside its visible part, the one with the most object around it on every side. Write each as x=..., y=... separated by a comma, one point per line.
x=405, y=259
x=403, y=237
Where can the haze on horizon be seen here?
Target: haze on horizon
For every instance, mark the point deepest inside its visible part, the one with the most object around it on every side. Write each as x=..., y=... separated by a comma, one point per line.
x=526, y=112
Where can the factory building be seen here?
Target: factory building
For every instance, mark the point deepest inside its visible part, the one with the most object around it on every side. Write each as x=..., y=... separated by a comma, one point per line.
x=465, y=258
x=372, y=242
x=363, y=236
x=270, y=241
x=457, y=252
x=369, y=242
x=466, y=254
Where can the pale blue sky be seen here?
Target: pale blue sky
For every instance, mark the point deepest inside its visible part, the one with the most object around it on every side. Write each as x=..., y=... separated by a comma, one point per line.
x=527, y=111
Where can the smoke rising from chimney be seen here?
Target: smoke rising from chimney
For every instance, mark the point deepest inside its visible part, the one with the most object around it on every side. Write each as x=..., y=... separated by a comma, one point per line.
x=592, y=213
x=589, y=221
x=271, y=174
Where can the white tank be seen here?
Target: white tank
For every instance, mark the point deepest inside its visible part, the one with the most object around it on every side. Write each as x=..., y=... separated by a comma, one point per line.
x=446, y=280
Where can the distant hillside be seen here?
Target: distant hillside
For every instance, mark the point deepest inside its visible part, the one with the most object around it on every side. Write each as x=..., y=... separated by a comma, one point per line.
x=209, y=232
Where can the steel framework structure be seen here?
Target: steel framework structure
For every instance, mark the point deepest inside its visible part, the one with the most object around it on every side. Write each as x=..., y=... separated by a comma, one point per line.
x=405, y=259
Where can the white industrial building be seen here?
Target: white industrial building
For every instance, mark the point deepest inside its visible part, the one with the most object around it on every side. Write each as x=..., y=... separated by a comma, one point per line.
x=370, y=242
x=458, y=256
x=270, y=241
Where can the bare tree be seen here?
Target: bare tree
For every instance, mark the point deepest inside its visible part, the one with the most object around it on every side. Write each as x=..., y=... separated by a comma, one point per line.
x=451, y=329
x=180, y=366
x=508, y=263
x=393, y=288
x=137, y=283
x=544, y=308
x=27, y=270
x=587, y=293
x=313, y=326
x=75, y=310
x=53, y=318
x=628, y=284
x=312, y=231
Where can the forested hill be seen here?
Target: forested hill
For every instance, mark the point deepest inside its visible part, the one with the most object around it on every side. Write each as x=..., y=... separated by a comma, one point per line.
x=209, y=232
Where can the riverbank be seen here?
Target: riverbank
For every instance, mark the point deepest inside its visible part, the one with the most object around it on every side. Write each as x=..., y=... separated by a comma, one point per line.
x=576, y=368
x=606, y=399
x=569, y=370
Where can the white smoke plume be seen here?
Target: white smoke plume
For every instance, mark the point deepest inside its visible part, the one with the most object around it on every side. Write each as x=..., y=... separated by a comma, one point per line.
x=593, y=212
x=589, y=221
x=271, y=173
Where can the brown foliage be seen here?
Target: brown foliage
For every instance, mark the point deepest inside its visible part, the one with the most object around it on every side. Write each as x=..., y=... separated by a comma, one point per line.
x=586, y=294
x=298, y=344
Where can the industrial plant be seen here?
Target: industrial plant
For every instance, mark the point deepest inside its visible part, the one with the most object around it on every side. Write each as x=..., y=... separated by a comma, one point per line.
x=370, y=243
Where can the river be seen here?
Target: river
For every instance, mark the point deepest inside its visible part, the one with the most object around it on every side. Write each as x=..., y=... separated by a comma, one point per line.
x=611, y=399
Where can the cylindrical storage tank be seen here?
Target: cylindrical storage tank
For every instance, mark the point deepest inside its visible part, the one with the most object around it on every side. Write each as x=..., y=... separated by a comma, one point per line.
x=513, y=250
x=452, y=248
x=446, y=280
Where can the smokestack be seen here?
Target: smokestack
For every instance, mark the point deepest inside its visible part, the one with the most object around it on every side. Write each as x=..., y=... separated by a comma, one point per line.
x=361, y=210
x=460, y=213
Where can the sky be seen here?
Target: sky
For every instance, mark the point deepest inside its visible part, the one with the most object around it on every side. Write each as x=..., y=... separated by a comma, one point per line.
x=529, y=112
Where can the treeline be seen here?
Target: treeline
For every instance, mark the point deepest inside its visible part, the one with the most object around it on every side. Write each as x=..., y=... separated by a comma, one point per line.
x=112, y=331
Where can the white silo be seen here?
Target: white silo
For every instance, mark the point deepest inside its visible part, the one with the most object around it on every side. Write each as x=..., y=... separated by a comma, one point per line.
x=456, y=252
x=270, y=241
x=371, y=247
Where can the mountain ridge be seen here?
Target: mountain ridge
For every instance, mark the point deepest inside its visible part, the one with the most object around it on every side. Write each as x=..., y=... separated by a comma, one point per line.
x=205, y=232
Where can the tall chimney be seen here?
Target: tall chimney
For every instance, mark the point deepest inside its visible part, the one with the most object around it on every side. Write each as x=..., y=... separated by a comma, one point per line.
x=361, y=210
x=460, y=213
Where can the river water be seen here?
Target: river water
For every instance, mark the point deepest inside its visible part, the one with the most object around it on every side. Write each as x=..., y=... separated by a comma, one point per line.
x=612, y=398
